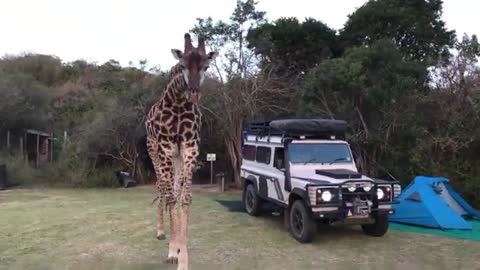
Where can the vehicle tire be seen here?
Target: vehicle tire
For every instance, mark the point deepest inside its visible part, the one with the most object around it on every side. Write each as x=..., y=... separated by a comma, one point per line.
x=379, y=228
x=251, y=201
x=302, y=226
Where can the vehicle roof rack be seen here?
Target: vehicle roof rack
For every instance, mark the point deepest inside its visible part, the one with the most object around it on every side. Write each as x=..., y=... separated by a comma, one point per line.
x=315, y=128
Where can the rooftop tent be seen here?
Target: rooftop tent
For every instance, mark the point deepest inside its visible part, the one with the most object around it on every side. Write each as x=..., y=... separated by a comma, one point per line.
x=432, y=202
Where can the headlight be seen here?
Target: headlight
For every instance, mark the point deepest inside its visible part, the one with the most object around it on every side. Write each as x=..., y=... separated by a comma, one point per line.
x=326, y=196
x=380, y=193
x=384, y=193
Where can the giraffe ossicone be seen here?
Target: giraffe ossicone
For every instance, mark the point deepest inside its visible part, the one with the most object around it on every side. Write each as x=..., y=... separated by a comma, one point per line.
x=173, y=139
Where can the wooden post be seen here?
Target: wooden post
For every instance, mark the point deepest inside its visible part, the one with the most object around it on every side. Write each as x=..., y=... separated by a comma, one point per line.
x=223, y=182
x=51, y=149
x=21, y=146
x=8, y=139
x=26, y=148
x=211, y=172
x=64, y=139
x=37, y=158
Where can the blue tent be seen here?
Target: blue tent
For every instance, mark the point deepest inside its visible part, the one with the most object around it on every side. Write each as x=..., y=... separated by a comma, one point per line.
x=432, y=202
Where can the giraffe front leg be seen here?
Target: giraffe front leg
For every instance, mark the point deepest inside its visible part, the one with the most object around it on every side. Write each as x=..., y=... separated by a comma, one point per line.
x=161, y=210
x=184, y=221
x=166, y=174
x=189, y=156
x=173, y=246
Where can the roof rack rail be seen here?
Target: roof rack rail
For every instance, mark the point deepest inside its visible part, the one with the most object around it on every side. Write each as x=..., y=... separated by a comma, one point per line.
x=297, y=128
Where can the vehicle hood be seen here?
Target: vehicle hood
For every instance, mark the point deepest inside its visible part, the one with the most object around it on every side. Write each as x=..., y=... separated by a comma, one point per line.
x=309, y=172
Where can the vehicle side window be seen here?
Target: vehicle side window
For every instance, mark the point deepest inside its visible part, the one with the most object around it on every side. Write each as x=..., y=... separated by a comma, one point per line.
x=278, y=159
x=263, y=154
x=249, y=152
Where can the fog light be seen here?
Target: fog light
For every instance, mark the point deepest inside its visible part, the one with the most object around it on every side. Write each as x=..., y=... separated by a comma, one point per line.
x=351, y=187
x=367, y=187
x=380, y=193
x=326, y=196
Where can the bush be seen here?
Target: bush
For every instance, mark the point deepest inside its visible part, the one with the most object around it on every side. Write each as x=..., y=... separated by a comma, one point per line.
x=18, y=171
x=103, y=177
x=69, y=169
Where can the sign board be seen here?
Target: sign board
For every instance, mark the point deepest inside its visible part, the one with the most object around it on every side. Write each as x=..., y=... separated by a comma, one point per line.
x=211, y=157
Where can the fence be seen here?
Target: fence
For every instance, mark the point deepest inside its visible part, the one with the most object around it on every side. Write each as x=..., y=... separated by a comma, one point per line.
x=34, y=146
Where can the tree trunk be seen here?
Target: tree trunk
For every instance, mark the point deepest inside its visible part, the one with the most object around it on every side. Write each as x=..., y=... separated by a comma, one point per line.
x=229, y=143
x=233, y=144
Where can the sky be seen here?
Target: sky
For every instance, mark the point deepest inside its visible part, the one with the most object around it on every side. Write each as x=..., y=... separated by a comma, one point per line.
x=100, y=30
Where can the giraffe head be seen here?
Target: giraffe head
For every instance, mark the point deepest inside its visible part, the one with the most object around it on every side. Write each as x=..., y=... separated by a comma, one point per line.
x=194, y=63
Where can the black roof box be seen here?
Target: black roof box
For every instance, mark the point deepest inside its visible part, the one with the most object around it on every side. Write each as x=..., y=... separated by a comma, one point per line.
x=309, y=126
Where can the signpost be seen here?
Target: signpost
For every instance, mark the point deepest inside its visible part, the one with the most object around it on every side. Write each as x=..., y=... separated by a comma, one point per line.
x=211, y=157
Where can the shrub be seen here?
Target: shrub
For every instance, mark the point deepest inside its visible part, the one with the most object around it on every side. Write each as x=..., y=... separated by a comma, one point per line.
x=18, y=171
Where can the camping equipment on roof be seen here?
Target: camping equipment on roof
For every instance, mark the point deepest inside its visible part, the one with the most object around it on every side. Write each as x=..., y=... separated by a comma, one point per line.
x=315, y=127
x=432, y=202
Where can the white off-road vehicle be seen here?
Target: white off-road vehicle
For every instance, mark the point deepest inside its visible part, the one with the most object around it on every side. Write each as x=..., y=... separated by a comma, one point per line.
x=306, y=167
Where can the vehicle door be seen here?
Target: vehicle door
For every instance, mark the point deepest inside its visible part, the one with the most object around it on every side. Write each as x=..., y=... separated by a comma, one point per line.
x=269, y=182
x=278, y=175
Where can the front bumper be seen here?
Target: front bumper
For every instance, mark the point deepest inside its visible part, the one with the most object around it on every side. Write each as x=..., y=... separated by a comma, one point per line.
x=351, y=204
x=330, y=212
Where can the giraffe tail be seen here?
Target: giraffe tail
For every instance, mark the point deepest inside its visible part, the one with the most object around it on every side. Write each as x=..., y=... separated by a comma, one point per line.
x=154, y=200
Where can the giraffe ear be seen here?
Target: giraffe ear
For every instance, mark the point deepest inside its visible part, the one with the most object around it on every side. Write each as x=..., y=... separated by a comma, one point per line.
x=177, y=54
x=212, y=56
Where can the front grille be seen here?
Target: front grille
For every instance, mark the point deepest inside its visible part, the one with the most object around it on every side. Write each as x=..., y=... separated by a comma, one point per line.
x=348, y=196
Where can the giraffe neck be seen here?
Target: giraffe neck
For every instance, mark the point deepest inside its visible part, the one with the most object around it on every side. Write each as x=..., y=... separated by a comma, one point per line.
x=175, y=86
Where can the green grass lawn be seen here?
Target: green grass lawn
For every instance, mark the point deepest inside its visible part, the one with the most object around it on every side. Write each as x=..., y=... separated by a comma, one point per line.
x=115, y=229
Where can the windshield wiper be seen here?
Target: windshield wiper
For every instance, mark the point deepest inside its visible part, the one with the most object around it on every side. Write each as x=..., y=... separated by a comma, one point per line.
x=338, y=159
x=310, y=161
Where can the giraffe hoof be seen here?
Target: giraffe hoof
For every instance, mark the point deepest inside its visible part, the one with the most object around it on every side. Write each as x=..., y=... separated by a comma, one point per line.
x=172, y=260
x=161, y=236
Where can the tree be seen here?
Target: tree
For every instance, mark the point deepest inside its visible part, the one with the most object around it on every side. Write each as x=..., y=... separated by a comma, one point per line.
x=43, y=68
x=448, y=121
x=240, y=100
x=415, y=26
x=24, y=103
x=461, y=70
x=371, y=89
x=293, y=47
x=243, y=94
x=230, y=37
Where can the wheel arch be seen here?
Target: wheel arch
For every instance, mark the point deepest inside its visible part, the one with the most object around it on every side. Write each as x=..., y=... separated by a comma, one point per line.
x=298, y=194
x=250, y=180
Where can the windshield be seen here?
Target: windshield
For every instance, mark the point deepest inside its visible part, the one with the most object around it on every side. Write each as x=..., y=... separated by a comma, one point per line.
x=319, y=153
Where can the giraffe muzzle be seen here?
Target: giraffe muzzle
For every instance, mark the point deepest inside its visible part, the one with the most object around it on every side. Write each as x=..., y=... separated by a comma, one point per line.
x=193, y=97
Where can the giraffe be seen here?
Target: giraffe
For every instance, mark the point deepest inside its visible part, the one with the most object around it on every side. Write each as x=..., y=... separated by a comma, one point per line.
x=173, y=139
